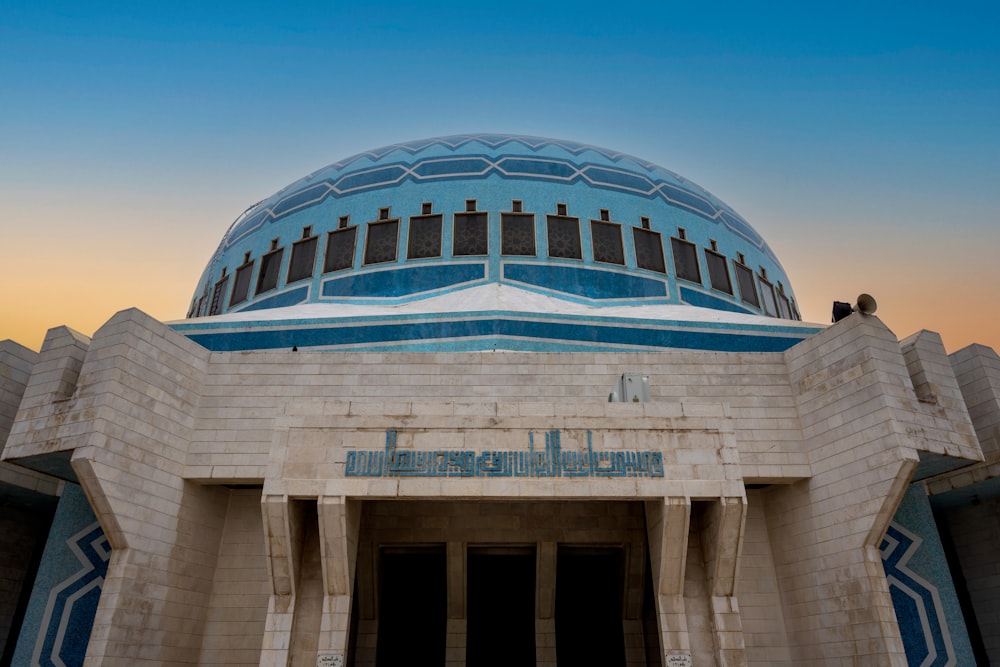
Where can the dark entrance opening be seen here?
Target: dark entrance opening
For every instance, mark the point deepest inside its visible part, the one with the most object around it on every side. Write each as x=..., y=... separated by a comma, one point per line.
x=500, y=607
x=412, y=612
x=589, y=587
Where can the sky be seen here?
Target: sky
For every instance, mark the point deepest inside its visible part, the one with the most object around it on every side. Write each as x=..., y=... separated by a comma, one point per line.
x=862, y=140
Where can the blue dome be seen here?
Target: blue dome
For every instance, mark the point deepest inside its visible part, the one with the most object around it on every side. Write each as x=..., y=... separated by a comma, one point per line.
x=425, y=218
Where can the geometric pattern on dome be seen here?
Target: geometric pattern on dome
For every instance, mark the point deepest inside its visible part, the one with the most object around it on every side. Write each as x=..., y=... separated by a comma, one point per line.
x=335, y=182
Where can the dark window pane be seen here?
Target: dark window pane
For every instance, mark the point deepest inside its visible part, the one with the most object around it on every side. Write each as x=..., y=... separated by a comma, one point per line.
x=500, y=603
x=564, y=236
x=218, y=295
x=588, y=623
x=303, y=259
x=340, y=249
x=270, y=264
x=648, y=250
x=784, y=310
x=685, y=260
x=380, y=245
x=413, y=609
x=425, y=236
x=241, y=286
x=718, y=272
x=744, y=278
x=767, y=295
x=471, y=234
x=201, y=306
x=607, y=240
x=517, y=231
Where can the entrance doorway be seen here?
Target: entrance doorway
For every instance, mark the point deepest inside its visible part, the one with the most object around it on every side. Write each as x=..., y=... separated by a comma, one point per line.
x=589, y=587
x=500, y=607
x=412, y=612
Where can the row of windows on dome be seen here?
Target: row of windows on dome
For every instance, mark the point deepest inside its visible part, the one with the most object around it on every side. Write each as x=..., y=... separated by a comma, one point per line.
x=771, y=298
x=470, y=237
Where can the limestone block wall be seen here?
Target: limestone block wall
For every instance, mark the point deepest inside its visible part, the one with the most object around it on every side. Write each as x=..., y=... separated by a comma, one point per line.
x=977, y=368
x=758, y=592
x=938, y=422
x=141, y=381
x=123, y=406
x=237, y=607
x=156, y=424
x=45, y=421
x=245, y=393
x=868, y=408
x=825, y=531
x=16, y=363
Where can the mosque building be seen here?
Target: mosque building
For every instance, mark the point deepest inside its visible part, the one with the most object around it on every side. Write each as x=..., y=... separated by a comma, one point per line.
x=498, y=400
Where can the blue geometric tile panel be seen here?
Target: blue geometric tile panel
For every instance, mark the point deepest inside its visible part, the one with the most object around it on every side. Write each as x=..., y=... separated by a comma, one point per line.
x=67, y=588
x=920, y=584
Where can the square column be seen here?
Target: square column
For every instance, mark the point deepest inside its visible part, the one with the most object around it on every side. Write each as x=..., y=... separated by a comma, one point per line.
x=545, y=612
x=722, y=526
x=667, y=524
x=339, y=524
x=456, y=632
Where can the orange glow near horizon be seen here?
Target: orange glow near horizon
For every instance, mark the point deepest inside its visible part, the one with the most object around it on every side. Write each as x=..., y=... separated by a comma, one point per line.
x=82, y=283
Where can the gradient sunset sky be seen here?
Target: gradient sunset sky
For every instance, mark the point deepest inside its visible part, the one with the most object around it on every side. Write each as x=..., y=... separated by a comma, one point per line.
x=862, y=140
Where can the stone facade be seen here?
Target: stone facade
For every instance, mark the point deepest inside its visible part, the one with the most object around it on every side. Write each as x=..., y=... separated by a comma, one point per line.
x=256, y=503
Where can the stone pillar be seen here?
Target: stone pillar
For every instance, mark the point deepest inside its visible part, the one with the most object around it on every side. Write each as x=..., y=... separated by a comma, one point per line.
x=456, y=631
x=635, y=572
x=367, y=640
x=339, y=523
x=545, y=612
x=722, y=540
x=283, y=539
x=667, y=524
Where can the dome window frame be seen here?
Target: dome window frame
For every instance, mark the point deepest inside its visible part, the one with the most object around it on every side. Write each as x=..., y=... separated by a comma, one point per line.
x=303, y=256
x=517, y=232
x=470, y=231
x=242, y=281
x=718, y=269
x=745, y=282
x=615, y=254
x=377, y=248
x=685, y=256
x=270, y=269
x=562, y=233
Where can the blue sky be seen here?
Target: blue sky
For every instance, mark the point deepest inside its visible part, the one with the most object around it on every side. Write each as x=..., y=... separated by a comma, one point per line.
x=862, y=140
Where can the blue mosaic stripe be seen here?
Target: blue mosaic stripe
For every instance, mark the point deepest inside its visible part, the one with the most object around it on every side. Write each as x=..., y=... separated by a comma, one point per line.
x=703, y=300
x=67, y=588
x=460, y=167
x=656, y=183
x=491, y=328
x=74, y=602
x=918, y=609
x=591, y=283
x=404, y=281
x=291, y=297
x=457, y=141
